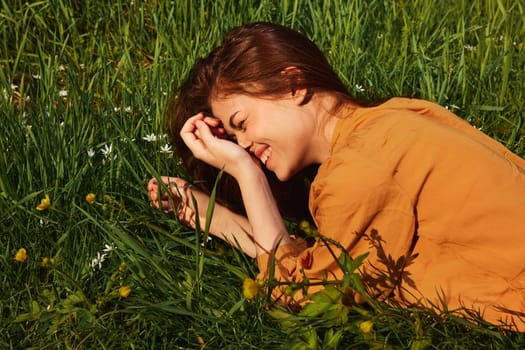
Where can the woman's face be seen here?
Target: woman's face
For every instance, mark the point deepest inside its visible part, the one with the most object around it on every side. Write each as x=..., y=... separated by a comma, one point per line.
x=278, y=132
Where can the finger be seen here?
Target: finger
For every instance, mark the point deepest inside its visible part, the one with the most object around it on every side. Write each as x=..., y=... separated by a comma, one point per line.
x=153, y=195
x=154, y=203
x=212, y=121
x=203, y=132
x=219, y=132
x=152, y=184
x=189, y=125
x=169, y=181
x=194, y=143
x=188, y=129
x=167, y=206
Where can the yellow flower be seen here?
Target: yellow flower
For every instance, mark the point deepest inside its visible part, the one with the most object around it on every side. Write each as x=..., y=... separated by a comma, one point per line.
x=21, y=255
x=250, y=288
x=91, y=198
x=366, y=326
x=45, y=203
x=46, y=261
x=124, y=291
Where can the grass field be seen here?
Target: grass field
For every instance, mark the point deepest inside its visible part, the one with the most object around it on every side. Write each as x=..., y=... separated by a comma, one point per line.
x=83, y=84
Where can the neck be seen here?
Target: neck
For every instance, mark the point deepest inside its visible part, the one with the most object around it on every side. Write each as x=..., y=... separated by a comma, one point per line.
x=327, y=113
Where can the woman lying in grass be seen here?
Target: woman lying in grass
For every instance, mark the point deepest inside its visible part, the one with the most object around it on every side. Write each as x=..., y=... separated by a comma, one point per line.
x=438, y=205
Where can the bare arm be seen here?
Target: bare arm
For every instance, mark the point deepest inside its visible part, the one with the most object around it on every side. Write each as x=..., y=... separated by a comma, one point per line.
x=265, y=223
x=225, y=224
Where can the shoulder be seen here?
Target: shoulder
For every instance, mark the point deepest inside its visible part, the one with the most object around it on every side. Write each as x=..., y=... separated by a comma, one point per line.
x=352, y=192
x=348, y=178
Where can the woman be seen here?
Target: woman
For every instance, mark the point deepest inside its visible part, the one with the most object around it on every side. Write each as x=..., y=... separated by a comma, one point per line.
x=437, y=204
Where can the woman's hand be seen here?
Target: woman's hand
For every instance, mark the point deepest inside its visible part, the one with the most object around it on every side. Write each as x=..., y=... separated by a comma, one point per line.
x=174, y=196
x=206, y=139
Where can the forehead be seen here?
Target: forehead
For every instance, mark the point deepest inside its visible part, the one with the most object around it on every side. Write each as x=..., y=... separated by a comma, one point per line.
x=224, y=106
x=226, y=101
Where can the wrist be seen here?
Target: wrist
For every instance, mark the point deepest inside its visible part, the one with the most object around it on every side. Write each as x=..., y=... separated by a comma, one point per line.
x=245, y=167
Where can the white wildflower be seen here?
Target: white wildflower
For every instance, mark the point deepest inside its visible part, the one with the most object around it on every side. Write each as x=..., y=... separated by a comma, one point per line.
x=359, y=88
x=36, y=76
x=452, y=106
x=128, y=109
x=108, y=248
x=91, y=153
x=209, y=239
x=126, y=140
x=62, y=93
x=107, y=150
x=97, y=261
x=14, y=86
x=150, y=138
x=469, y=48
x=166, y=149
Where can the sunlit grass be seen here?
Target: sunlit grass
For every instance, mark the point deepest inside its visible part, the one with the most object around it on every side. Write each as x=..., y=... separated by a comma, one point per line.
x=83, y=86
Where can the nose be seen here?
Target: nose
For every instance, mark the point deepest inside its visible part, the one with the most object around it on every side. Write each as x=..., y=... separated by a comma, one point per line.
x=242, y=141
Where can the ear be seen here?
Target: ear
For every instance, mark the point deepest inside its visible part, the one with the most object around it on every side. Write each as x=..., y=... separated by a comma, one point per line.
x=301, y=96
x=294, y=77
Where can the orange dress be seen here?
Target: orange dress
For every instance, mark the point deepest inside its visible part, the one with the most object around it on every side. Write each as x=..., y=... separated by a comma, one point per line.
x=439, y=206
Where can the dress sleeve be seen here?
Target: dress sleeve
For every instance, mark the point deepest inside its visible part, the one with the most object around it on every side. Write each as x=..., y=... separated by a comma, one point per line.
x=358, y=204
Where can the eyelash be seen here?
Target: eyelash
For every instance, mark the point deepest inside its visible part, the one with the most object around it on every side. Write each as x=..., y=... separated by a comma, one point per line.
x=241, y=126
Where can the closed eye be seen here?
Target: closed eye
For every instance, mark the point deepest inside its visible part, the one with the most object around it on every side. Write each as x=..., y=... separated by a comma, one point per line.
x=241, y=126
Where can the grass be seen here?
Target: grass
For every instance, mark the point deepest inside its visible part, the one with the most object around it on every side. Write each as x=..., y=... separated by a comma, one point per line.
x=83, y=83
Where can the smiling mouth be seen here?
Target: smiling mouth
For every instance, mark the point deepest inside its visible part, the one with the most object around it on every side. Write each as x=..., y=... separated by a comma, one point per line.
x=266, y=154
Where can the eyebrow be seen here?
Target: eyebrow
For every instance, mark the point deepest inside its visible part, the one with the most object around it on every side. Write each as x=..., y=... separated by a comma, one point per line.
x=230, y=120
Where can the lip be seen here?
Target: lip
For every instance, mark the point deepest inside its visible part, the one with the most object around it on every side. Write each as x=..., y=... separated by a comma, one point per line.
x=258, y=153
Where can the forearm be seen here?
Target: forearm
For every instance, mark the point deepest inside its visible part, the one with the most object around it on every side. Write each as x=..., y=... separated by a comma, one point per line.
x=234, y=229
x=266, y=223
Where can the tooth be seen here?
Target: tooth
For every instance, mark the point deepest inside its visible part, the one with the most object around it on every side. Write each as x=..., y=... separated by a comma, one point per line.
x=265, y=156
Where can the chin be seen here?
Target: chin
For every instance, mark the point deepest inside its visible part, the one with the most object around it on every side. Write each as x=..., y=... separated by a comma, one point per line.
x=284, y=176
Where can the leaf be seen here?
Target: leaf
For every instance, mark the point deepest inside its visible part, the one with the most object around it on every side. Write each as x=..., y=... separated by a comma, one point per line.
x=307, y=340
x=85, y=320
x=327, y=304
x=287, y=320
x=332, y=339
x=28, y=316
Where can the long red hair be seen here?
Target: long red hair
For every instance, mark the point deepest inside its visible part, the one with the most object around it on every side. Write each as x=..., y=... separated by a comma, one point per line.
x=253, y=59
